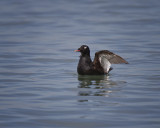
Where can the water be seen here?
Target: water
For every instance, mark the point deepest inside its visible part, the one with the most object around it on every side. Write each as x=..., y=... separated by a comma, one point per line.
x=39, y=85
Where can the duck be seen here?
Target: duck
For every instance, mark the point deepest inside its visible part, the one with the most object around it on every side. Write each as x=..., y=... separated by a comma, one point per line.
x=101, y=65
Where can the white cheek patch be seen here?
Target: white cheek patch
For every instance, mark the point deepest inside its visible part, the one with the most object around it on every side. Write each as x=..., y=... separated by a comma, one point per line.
x=85, y=47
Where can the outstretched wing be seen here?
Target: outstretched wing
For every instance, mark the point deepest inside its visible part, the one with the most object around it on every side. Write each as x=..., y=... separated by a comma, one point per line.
x=111, y=57
x=105, y=58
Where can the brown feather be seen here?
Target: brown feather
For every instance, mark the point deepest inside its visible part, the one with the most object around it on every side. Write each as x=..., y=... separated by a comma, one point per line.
x=110, y=56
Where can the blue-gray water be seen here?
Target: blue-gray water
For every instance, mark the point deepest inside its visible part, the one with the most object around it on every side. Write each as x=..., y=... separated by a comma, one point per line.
x=39, y=85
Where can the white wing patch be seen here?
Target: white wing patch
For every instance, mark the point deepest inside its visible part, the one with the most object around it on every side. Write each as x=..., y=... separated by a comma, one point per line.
x=104, y=63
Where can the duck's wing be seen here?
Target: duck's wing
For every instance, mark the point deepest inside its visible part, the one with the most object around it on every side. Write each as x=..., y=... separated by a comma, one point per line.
x=105, y=58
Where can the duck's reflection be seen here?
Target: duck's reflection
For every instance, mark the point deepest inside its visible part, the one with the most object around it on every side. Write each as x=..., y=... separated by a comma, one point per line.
x=96, y=85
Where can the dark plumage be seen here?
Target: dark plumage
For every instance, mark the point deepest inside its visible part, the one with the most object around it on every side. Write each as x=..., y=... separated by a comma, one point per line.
x=101, y=63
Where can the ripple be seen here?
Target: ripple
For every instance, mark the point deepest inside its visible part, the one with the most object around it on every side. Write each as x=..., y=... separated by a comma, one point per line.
x=39, y=82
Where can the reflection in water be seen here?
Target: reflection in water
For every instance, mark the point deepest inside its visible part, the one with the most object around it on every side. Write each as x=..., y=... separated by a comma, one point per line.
x=97, y=85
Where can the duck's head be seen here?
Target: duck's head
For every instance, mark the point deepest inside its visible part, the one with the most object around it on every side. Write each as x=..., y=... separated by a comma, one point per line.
x=84, y=50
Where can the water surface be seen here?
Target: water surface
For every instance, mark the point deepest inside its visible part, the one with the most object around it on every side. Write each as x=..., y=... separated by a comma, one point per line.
x=39, y=85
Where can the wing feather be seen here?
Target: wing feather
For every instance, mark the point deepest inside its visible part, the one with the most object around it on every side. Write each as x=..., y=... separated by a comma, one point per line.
x=111, y=57
x=105, y=63
x=105, y=58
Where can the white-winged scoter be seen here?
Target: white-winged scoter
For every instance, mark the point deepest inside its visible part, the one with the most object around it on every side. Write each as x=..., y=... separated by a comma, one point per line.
x=101, y=64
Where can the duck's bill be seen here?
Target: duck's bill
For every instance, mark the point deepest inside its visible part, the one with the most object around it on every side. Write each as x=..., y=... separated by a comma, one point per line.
x=76, y=50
